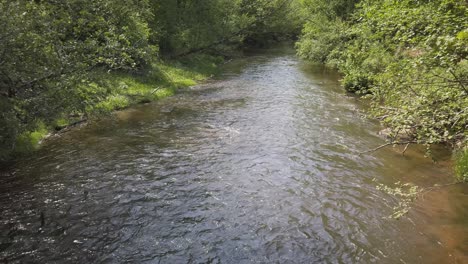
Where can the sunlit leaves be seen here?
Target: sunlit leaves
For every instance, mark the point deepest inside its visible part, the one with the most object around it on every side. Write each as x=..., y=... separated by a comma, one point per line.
x=411, y=56
x=47, y=47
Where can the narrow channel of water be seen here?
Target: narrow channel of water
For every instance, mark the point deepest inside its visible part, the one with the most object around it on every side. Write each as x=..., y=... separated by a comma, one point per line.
x=260, y=165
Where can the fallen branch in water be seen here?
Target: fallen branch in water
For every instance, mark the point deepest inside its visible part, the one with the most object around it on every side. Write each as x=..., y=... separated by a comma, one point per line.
x=407, y=143
x=406, y=148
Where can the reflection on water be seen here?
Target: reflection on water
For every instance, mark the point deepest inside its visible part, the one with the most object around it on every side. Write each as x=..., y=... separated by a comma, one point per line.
x=258, y=166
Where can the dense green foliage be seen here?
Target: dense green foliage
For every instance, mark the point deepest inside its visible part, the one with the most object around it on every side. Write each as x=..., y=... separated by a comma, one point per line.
x=409, y=56
x=182, y=26
x=48, y=48
x=185, y=26
x=58, y=58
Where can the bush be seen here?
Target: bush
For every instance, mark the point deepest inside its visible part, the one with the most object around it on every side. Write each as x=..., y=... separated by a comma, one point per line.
x=410, y=56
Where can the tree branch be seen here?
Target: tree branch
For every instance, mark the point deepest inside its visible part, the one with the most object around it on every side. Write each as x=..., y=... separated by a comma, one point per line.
x=407, y=143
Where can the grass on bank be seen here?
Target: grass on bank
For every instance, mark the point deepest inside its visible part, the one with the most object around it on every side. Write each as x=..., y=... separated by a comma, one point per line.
x=119, y=90
x=461, y=165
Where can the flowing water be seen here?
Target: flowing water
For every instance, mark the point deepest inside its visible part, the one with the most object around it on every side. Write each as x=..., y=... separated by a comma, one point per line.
x=259, y=165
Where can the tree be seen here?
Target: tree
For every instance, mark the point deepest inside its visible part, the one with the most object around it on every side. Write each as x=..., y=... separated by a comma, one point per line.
x=48, y=47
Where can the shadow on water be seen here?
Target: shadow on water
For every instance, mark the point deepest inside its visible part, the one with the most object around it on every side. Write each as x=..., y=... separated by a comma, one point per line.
x=259, y=165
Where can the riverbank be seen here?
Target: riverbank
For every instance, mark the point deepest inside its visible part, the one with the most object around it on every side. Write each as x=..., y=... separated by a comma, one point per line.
x=110, y=91
x=408, y=58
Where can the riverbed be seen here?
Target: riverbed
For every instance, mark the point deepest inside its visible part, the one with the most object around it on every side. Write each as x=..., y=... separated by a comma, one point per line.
x=259, y=165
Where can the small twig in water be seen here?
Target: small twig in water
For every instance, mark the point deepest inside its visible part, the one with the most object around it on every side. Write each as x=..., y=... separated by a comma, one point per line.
x=406, y=148
x=407, y=143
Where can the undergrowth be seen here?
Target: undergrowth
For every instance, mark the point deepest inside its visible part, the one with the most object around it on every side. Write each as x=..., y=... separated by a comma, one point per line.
x=110, y=91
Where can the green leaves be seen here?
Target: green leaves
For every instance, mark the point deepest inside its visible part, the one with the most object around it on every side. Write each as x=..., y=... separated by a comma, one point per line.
x=406, y=193
x=410, y=56
x=47, y=48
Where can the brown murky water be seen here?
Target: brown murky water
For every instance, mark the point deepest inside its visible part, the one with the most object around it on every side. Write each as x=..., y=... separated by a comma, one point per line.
x=260, y=165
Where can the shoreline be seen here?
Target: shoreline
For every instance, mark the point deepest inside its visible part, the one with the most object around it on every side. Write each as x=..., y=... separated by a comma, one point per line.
x=123, y=91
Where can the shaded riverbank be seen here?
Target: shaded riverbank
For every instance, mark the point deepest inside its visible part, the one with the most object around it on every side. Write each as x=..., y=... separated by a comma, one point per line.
x=111, y=91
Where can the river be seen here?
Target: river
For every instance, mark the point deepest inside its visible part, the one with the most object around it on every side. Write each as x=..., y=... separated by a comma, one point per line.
x=259, y=165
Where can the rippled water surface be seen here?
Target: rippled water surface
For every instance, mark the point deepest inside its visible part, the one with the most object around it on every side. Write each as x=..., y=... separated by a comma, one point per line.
x=260, y=165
